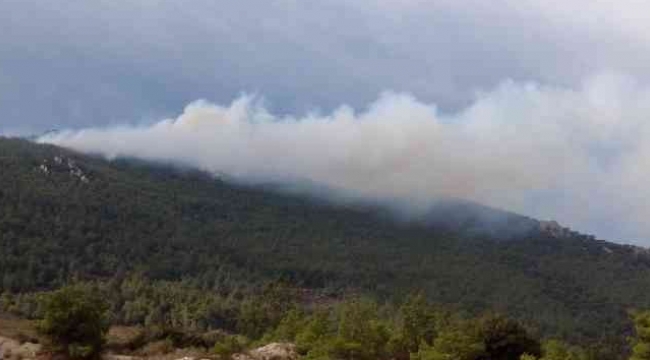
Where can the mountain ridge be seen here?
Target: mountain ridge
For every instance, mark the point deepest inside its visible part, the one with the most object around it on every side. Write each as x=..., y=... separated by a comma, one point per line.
x=171, y=224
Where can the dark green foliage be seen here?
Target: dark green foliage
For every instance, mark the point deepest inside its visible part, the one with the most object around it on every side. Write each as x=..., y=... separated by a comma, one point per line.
x=75, y=320
x=459, y=342
x=641, y=342
x=557, y=350
x=354, y=329
x=359, y=329
x=259, y=313
x=418, y=325
x=487, y=338
x=505, y=339
x=203, y=249
x=361, y=333
x=230, y=345
x=316, y=330
x=289, y=327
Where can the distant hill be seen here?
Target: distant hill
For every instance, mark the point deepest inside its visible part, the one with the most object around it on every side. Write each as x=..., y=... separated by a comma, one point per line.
x=64, y=215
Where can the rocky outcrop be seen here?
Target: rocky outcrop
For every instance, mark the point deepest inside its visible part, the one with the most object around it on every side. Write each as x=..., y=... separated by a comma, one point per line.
x=554, y=229
x=272, y=351
x=12, y=349
x=61, y=164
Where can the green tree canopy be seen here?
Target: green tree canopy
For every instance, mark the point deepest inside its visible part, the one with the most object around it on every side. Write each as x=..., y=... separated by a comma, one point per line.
x=491, y=337
x=641, y=343
x=75, y=321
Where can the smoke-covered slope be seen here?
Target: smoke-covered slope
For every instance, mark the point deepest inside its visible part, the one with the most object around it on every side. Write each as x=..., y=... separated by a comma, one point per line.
x=66, y=215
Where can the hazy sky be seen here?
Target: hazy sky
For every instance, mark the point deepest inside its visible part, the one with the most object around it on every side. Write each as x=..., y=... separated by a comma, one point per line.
x=567, y=79
x=76, y=63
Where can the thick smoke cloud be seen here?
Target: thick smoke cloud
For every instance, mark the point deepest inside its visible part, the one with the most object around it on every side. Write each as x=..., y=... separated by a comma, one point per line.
x=576, y=154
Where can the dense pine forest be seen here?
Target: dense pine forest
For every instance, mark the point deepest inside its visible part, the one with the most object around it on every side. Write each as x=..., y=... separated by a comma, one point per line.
x=174, y=248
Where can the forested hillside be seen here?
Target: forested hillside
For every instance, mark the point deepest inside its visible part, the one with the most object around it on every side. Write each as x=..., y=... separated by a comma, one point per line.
x=145, y=230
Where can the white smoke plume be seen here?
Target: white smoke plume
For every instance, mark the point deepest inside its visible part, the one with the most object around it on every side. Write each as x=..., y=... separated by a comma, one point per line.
x=580, y=155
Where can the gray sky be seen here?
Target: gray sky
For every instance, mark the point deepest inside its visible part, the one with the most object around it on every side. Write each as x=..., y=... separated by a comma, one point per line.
x=507, y=79
x=76, y=63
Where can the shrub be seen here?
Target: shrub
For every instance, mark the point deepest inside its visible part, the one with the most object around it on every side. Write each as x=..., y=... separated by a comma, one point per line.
x=75, y=322
x=229, y=345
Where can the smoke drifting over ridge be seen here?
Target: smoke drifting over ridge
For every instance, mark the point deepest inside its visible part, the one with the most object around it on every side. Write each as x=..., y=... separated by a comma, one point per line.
x=573, y=154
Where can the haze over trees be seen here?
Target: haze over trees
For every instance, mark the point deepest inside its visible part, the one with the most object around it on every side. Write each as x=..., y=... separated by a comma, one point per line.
x=179, y=249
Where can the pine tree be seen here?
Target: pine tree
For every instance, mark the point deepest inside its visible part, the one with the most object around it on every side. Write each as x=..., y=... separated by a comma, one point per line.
x=641, y=343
